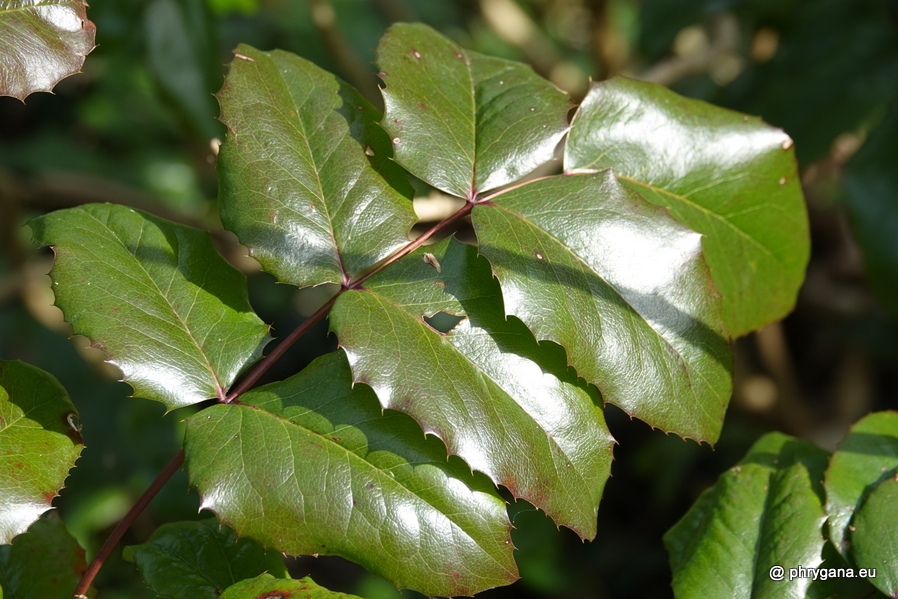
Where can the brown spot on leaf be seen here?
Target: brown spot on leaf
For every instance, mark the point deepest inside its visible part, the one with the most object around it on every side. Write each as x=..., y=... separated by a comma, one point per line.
x=422, y=106
x=272, y=595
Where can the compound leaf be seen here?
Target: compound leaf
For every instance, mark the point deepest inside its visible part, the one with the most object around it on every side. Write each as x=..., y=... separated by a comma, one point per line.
x=867, y=455
x=623, y=287
x=197, y=560
x=500, y=401
x=728, y=176
x=39, y=443
x=875, y=537
x=266, y=587
x=764, y=512
x=156, y=297
x=310, y=466
x=296, y=186
x=44, y=563
x=41, y=42
x=461, y=121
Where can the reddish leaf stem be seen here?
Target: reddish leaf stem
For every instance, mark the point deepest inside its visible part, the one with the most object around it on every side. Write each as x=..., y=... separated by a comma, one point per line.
x=244, y=385
x=95, y=565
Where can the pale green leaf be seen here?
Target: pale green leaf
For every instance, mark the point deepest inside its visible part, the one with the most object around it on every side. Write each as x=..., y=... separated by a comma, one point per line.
x=310, y=466
x=506, y=405
x=305, y=177
x=464, y=122
x=728, y=176
x=764, y=512
x=867, y=455
x=265, y=587
x=587, y=263
x=39, y=443
x=156, y=297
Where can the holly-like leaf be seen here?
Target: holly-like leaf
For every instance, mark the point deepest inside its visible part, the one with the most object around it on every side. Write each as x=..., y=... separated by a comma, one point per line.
x=41, y=42
x=45, y=562
x=867, y=455
x=764, y=512
x=156, y=297
x=726, y=175
x=272, y=588
x=623, y=287
x=39, y=443
x=296, y=186
x=198, y=560
x=875, y=537
x=501, y=402
x=461, y=121
x=310, y=466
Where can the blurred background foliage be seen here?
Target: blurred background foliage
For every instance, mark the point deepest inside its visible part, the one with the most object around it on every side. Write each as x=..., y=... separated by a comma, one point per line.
x=138, y=127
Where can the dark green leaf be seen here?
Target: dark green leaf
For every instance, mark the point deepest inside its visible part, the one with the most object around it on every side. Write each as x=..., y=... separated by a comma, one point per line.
x=875, y=538
x=41, y=42
x=296, y=185
x=461, y=121
x=272, y=588
x=766, y=511
x=871, y=183
x=44, y=563
x=728, y=176
x=867, y=455
x=39, y=443
x=623, y=287
x=183, y=53
x=310, y=466
x=198, y=560
x=156, y=297
x=504, y=404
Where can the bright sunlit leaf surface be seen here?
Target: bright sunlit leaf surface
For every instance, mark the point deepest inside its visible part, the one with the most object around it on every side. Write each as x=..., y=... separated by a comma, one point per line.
x=41, y=42
x=266, y=587
x=45, y=562
x=156, y=296
x=867, y=455
x=729, y=176
x=589, y=264
x=198, y=560
x=766, y=511
x=310, y=465
x=306, y=180
x=462, y=121
x=39, y=443
x=508, y=406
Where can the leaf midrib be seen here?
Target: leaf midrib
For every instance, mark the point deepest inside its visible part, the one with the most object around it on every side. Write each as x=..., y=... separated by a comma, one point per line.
x=286, y=423
x=219, y=388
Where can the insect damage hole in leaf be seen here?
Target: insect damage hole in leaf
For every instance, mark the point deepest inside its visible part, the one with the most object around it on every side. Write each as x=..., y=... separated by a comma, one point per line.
x=443, y=322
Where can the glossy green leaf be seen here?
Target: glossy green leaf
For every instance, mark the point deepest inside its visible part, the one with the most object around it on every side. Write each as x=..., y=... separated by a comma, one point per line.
x=728, y=176
x=871, y=185
x=623, y=287
x=310, y=466
x=44, y=563
x=766, y=511
x=39, y=443
x=875, y=537
x=198, y=560
x=296, y=185
x=272, y=588
x=461, y=121
x=501, y=402
x=156, y=297
x=867, y=455
x=41, y=42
